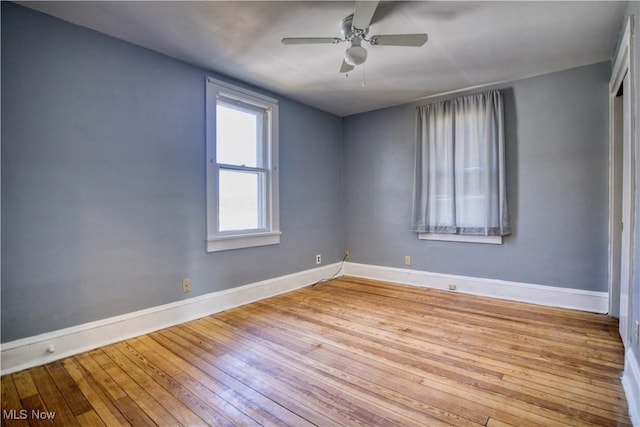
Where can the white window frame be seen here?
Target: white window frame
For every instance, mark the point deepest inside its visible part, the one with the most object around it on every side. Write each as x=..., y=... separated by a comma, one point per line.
x=491, y=240
x=269, y=232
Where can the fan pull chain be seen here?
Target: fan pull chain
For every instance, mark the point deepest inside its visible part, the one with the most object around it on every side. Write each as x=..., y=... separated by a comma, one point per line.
x=364, y=76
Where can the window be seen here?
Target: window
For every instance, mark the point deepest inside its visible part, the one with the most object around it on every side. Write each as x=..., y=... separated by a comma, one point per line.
x=242, y=171
x=459, y=186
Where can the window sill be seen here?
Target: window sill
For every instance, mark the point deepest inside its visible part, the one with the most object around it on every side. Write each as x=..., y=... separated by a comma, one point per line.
x=239, y=241
x=491, y=240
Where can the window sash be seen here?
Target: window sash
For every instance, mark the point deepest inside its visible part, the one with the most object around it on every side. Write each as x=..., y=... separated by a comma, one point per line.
x=262, y=128
x=265, y=169
x=262, y=200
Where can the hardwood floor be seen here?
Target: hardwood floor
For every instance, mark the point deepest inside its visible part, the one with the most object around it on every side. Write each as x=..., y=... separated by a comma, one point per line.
x=345, y=352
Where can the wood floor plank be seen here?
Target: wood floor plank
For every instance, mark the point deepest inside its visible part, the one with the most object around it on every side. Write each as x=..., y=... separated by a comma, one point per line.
x=34, y=405
x=373, y=360
x=101, y=377
x=99, y=400
x=209, y=359
x=442, y=333
x=68, y=388
x=167, y=401
x=135, y=415
x=137, y=394
x=53, y=400
x=241, y=395
x=245, y=364
x=364, y=348
x=483, y=329
x=378, y=398
x=496, y=423
x=24, y=384
x=90, y=419
x=379, y=392
x=525, y=315
x=585, y=416
x=219, y=390
x=191, y=403
x=349, y=351
x=11, y=406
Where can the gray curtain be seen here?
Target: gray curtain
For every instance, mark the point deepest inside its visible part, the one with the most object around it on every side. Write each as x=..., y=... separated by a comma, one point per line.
x=459, y=185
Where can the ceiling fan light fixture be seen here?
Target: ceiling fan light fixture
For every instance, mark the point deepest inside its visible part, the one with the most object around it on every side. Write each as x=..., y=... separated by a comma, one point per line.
x=354, y=29
x=355, y=55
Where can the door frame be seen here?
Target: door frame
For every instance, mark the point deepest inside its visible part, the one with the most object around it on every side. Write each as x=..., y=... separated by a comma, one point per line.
x=622, y=67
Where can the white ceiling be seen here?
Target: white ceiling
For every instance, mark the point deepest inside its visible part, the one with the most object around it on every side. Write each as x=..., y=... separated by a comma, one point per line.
x=470, y=43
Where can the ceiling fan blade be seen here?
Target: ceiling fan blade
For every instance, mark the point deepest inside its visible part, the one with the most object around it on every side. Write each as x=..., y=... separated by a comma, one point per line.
x=399, y=40
x=345, y=68
x=310, y=40
x=363, y=14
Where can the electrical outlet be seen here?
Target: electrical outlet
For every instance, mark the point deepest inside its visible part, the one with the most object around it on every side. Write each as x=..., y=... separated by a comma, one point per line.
x=452, y=287
x=186, y=285
x=318, y=259
x=347, y=254
x=407, y=260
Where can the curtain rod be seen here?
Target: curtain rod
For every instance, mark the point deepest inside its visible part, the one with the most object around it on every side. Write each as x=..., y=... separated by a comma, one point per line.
x=456, y=91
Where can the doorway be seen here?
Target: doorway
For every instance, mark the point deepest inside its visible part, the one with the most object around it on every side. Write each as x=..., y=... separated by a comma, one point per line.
x=622, y=189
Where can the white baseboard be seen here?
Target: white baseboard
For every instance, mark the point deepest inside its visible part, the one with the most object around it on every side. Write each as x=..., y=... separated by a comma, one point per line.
x=33, y=351
x=631, y=385
x=597, y=302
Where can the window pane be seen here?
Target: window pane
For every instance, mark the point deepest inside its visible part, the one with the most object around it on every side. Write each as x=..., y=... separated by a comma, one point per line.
x=240, y=206
x=236, y=136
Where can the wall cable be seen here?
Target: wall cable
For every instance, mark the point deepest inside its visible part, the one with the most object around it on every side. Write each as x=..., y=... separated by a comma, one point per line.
x=334, y=274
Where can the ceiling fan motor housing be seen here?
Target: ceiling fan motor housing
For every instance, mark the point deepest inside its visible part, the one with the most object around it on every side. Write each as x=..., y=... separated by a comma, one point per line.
x=348, y=31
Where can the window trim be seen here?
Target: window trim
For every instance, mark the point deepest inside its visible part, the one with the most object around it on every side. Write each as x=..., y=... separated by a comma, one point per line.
x=492, y=240
x=217, y=240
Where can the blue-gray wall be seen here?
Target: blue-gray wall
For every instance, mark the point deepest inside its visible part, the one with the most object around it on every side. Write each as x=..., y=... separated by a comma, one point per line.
x=103, y=180
x=103, y=183
x=557, y=173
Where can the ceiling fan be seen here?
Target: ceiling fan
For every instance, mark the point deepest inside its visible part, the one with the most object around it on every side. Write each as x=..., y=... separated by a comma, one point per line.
x=354, y=29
